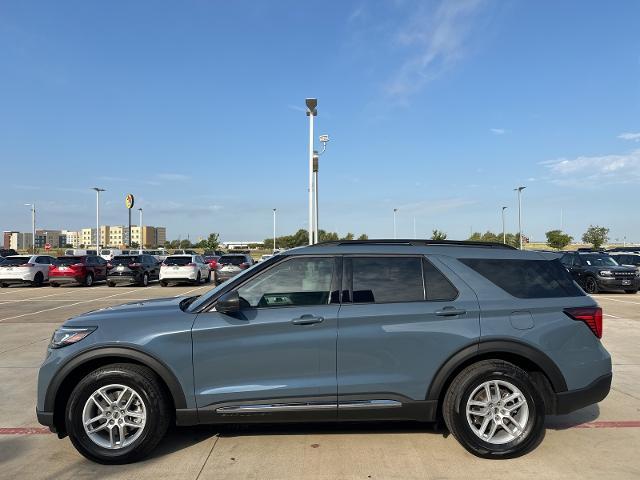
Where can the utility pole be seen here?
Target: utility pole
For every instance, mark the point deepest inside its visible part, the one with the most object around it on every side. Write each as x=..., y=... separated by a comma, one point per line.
x=519, y=190
x=274, y=230
x=33, y=226
x=98, y=190
x=316, y=162
x=311, y=113
x=141, y=229
x=504, y=232
x=395, y=233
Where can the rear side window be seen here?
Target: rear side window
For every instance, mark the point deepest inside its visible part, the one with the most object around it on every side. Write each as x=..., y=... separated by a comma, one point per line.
x=387, y=279
x=437, y=286
x=526, y=278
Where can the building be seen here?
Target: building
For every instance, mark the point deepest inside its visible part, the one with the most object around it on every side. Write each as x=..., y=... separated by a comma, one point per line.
x=118, y=235
x=55, y=238
x=21, y=241
x=6, y=238
x=87, y=236
x=71, y=238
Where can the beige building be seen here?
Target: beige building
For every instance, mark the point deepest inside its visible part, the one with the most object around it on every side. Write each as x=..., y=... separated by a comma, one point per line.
x=87, y=236
x=20, y=241
x=72, y=238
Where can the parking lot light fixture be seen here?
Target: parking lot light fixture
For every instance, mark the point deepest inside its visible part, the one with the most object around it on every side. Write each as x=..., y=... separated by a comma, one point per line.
x=311, y=103
x=33, y=225
x=141, y=229
x=98, y=190
x=274, y=230
x=395, y=234
x=519, y=190
x=504, y=235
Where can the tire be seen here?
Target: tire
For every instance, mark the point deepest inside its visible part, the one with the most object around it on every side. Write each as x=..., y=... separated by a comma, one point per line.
x=145, y=280
x=591, y=285
x=111, y=284
x=4, y=285
x=198, y=279
x=503, y=443
x=54, y=285
x=631, y=291
x=150, y=402
x=163, y=283
x=37, y=280
x=208, y=279
x=88, y=280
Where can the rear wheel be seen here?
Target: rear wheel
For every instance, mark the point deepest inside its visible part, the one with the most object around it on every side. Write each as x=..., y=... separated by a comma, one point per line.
x=208, y=279
x=198, y=279
x=37, y=280
x=590, y=285
x=55, y=285
x=111, y=284
x=163, y=283
x=88, y=280
x=4, y=285
x=494, y=410
x=117, y=414
x=145, y=280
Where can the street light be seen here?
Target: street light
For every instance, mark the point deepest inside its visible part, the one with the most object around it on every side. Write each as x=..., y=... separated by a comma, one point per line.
x=395, y=210
x=311, y=113
x=33, y=225
x=98, y=190
x=141, y=229
x=274, y=230
x=519, y=190
x=504, y=235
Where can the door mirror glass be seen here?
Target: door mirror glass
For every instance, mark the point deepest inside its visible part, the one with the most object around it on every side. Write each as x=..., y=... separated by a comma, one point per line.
x=228, y=303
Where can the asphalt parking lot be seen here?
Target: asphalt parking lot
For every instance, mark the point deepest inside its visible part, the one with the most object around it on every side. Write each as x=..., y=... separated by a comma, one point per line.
x=598, y=441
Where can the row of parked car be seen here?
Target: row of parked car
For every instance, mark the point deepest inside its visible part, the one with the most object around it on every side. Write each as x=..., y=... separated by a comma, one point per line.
x=137, y=269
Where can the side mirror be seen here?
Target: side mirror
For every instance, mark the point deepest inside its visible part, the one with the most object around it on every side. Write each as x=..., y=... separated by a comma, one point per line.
x=228, y=303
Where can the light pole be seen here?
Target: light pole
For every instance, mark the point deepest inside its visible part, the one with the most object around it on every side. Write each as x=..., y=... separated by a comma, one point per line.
x=395, y=210
x=311, y=113
x=98, y=190
x=414, y=228
x=504, y=234
x=33, y=225
x=274, y=230
x=519, y=190
x=141, y=229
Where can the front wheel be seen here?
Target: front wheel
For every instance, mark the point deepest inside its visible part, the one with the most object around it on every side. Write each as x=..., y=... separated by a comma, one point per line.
x=88, y=280
x=111, y=284
x=145, y=280
x=163, y=283
x=117, y=414
x=494, y=410
x=590, y=285
x=38, y=280
x=198, y=279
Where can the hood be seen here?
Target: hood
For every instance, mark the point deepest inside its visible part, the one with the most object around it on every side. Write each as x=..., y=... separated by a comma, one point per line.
x=151, y=306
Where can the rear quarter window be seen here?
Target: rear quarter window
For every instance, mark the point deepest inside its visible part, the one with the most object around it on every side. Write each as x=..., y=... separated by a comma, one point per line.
x=526, y=278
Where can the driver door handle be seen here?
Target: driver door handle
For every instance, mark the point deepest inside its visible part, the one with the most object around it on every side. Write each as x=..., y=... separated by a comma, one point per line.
x=307, y=320
x=450, y=312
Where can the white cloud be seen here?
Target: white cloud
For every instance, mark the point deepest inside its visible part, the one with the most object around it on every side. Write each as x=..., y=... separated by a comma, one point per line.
x=588, y=171
x=498, y=131
x=630, y=136
x=437, y=39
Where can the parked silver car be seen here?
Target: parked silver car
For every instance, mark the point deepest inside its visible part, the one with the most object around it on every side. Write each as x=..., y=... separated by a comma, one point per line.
x=184, y=268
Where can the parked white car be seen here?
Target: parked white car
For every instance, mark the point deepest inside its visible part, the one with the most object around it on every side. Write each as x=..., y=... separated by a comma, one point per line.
x=109, y=253
x=184, y=268
x=32, y=269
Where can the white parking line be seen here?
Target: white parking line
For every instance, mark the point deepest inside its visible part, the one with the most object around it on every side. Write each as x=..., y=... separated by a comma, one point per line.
x=75, y=300
x=64, y=306
x=616, y=300
x=57, y=294
x=609, y=315
x=192, y=290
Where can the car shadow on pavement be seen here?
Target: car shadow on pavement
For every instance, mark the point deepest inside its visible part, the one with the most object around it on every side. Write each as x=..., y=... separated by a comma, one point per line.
x=579, y=417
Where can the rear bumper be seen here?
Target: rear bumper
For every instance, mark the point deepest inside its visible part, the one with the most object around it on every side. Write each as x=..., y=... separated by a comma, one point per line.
x=124, y=278
x=224, y=276
x=65, y=280
x=13, y=281
x=572, y=400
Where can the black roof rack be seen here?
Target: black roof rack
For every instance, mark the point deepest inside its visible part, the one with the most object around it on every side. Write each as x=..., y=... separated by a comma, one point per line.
x=415, y=243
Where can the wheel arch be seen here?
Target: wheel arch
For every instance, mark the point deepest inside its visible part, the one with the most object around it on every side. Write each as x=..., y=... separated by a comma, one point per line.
x=72, y=372
x=545, y=373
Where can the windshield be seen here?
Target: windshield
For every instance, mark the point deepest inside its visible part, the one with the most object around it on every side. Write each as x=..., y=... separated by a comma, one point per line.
x=232, y=260
x=599, y=261
x=178, y=261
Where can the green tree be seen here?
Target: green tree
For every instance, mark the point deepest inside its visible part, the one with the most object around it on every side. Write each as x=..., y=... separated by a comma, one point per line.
x=348, y=236
x=211, y=243
x=596, y=236
x=185, y=244
x=558, y=239
x=364, y=236
x=511, y=238
x=438, y=235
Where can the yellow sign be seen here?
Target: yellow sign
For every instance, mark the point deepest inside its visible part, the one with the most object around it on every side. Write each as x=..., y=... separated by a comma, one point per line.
x=129, y=201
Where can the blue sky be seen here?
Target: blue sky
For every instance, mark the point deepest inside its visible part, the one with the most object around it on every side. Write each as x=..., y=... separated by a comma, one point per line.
x=437, y=108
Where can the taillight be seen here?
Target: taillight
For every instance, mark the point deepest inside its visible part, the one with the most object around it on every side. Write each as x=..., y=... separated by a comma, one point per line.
x=592, y=316
x=109, y=265
x=134, y=265
x=27, y=265
x=243, y=265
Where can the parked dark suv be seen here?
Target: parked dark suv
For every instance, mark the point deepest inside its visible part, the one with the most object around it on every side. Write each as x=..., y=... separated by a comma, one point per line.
x=486, y=337
x=600, y=272
x=138, y=269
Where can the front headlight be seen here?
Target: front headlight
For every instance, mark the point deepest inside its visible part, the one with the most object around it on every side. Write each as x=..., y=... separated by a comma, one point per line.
x=64, y=336
x=605, y=273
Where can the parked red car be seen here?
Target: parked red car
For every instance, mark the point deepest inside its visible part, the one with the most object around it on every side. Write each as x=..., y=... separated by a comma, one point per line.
x=212, y=260
x=84, y=270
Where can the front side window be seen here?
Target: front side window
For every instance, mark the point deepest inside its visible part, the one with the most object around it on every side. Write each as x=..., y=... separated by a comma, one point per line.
x=295, y=282
x=387, y=279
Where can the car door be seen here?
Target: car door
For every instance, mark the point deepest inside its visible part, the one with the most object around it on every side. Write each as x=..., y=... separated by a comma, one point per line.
x=279, y=349
x=401, y=318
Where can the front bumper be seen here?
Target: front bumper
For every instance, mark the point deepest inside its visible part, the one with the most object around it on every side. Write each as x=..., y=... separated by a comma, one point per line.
x=610, y=283
x=572, y=400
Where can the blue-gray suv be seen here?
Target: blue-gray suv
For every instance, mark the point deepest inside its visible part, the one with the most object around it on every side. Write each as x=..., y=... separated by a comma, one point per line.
x=483, y=336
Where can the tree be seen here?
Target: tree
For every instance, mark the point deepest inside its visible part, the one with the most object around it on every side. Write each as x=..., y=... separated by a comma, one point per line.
x=185, y=244
x=134, y=245
x=596, y=236
x=211, y=243
x=558, y=239
x=348, y=236
x=438, y=235
x=511, y=238
x=364, y=236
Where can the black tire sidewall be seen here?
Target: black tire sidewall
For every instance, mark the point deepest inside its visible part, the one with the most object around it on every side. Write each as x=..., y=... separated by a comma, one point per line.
x=87, y=282
x=595, y=285
x=535, y=424
x=151, y=396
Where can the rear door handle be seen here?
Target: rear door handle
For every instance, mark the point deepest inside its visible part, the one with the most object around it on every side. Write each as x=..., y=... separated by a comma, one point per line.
x=450, y=312
x=307, y=320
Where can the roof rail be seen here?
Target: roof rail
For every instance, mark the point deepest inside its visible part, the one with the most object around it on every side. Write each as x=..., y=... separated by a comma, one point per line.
x=415, y=243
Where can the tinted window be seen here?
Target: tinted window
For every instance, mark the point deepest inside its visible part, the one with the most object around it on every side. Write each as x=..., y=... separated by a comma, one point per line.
x=387, y=279
x=66, y=261
x=124, y=260
x=232, y=259
x=526, y=278
x=298, y=281
x=178, y=261
x=594, y=260
x=567, y=260
x=437, y=285
x=16, y=261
